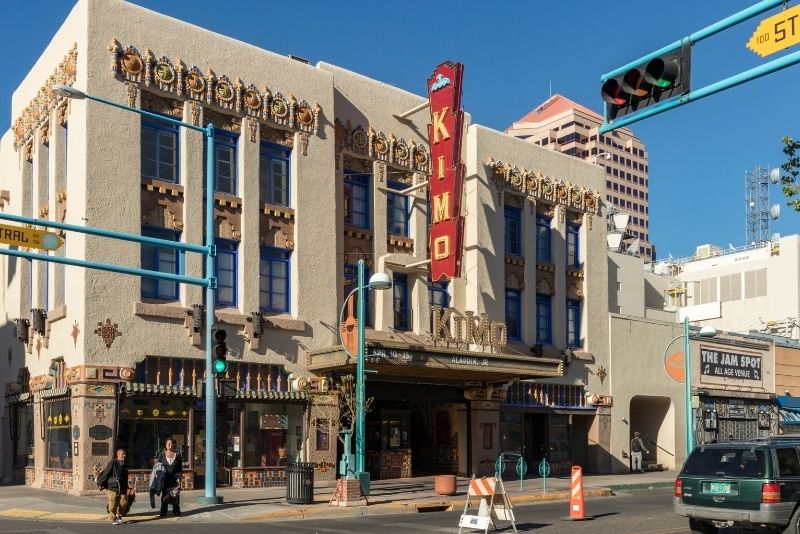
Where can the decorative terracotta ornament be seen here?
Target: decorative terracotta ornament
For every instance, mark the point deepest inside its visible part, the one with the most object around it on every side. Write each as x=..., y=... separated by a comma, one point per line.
x=75, y=332
x=108, y=332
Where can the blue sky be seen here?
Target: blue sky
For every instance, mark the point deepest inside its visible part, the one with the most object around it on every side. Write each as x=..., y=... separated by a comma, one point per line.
x=512, y=52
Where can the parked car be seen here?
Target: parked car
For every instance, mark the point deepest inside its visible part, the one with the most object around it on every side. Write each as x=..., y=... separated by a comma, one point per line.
x=743, y=484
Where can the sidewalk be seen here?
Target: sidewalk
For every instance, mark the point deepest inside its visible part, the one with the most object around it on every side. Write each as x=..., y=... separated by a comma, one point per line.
x=269, y=504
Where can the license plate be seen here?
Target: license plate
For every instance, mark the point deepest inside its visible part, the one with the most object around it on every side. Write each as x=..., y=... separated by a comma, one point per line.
x=719, y=487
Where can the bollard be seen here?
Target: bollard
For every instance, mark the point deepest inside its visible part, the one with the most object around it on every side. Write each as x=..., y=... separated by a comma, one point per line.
x=544, y=472
x=522, y=468
x=576, y=510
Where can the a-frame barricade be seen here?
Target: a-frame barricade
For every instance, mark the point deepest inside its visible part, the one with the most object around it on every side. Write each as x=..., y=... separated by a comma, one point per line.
x=493, y=505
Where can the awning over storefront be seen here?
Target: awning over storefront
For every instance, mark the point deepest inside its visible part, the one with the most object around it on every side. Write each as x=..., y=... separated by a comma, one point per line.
x=436, y=362
x=185, y=391
x=789, y=413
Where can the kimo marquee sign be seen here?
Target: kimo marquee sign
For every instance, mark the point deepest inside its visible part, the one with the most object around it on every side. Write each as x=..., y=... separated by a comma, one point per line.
x=444, y=136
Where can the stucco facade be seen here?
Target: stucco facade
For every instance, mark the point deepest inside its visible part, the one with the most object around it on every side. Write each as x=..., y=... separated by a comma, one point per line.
x=114, y=355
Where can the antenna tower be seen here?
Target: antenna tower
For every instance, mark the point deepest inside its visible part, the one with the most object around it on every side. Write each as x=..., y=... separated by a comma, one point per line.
x=756, y=205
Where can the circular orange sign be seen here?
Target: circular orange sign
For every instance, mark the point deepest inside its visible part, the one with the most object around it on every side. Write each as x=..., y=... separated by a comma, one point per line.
x=673, y=363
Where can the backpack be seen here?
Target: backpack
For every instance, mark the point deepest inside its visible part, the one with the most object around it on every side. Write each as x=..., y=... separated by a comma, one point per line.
x=636, y=445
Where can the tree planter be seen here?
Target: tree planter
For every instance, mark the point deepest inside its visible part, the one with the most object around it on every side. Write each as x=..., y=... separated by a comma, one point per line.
x=444, y=484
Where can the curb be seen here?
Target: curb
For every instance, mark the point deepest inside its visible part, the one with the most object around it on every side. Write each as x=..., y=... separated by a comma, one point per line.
x=414, y=507
x=642, y=485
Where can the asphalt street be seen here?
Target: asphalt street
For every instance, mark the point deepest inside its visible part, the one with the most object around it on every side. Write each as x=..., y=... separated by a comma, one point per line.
x=635, y=512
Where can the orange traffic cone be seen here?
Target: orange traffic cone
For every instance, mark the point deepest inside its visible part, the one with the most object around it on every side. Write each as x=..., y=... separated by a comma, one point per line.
x=576, y=511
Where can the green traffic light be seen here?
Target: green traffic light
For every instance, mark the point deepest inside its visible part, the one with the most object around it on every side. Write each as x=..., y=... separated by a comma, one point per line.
x=220, y=366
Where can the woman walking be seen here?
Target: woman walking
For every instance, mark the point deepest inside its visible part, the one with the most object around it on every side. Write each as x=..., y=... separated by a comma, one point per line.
x=173, y=467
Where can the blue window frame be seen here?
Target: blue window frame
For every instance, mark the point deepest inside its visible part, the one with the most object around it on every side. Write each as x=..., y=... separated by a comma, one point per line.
x=513, y=230
x=437, y=296
x=159, y=151
x=573, y=323
x=350, y=283
x=273, y=174
x=273, y=287
x=356, y=198
x=573, y=245
x=544, y=319
x=225, y=161
x=397, y=211
x=162, y=259
x=227, y=271
x=513, y=314
x=400, y=290
x=543, y=239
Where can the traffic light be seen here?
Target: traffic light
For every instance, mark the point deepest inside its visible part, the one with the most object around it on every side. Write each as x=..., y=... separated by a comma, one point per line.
x=648, y=83
x=220, y=352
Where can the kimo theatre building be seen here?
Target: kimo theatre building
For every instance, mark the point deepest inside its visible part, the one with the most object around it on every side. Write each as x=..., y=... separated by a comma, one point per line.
x=733, y=388
x=437, y=398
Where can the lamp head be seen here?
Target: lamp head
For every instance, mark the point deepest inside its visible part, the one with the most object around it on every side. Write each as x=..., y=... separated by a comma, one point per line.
x=707, y=331
x=68, y=92
x=380, y=281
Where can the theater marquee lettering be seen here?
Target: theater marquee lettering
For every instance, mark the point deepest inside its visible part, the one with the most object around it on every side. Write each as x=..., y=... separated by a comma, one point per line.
x=463, y=330
x=444, y=136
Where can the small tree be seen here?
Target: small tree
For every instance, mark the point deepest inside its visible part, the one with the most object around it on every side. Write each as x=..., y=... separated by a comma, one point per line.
x=340, y=413
x=792, y=167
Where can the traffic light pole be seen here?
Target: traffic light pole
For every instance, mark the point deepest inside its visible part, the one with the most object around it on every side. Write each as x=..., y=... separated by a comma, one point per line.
x=210, y=496
x=691, y=96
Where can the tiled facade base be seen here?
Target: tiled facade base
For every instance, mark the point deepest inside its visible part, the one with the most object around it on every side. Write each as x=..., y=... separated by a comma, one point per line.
x=21, y=475
x=141, y=479
x=258, y=477
x=58, y=479
x=30, y=475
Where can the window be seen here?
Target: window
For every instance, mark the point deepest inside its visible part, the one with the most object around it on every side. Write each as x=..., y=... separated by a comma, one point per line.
x=788, y=462
x=166, y=260
x=513, y=230
x=573, y=233
x=226, y=273
x=144, y=436
x=400, y=289
x=615, y=186
x=225, y=148
x=273, y=286
x=57, y=435
x=437, y=294
x=730, y=287
x=350, y=283
x=22, y=425
x=608, y=170
x=273, y=174
x=513, y=314
x=544, y=321
x=356, y=199
x=755, y=283
x=543, y=239
x=159, y=151
x=397, y=211
x=573, y=323
x=608, y=184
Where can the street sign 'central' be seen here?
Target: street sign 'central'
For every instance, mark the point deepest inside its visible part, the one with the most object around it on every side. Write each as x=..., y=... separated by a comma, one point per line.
x=444, y=136
x=28, y=237
x=776, y=33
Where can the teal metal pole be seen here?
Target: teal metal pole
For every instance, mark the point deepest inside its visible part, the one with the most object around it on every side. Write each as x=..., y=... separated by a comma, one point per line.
x=360, y=416
x=211, y=394
x=177, y=245
x=182, y=279
x=687, y=387
x=162, y=118
x=698, y=36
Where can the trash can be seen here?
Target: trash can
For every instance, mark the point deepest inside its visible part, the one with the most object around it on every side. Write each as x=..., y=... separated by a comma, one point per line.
x=300, y=483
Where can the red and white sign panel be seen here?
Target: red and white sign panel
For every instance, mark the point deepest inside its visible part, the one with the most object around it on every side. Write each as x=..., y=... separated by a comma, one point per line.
x=444, y=135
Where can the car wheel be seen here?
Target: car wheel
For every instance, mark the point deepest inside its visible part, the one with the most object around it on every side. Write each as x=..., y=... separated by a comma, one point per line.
x=794, y=523
x=696, y=526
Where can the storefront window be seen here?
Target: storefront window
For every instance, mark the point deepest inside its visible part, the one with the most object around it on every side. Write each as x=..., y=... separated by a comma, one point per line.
x=272, y=433
x=22, y=434
x=559, y=438
x=510, y=432
x=57, y=434
x=144, y=424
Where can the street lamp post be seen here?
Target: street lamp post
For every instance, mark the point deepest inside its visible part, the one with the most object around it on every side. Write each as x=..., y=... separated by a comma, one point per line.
x=210, y=496
x=379, y=281
x=605, y=155
x=706, y=331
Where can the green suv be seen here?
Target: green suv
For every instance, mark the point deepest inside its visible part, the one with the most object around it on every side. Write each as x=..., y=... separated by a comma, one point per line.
x=743, y=484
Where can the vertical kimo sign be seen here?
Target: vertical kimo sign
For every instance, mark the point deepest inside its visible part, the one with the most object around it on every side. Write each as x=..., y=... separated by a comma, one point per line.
x=444, y=135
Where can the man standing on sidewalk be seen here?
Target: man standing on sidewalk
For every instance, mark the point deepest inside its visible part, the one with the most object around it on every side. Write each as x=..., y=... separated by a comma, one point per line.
x=637, y=446
x=114, y=479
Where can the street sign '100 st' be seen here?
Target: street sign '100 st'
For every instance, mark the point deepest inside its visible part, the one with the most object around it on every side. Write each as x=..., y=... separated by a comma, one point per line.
x=776, y=33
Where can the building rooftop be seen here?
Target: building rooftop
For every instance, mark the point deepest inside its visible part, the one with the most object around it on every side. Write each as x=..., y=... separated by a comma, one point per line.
x=553, y=106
